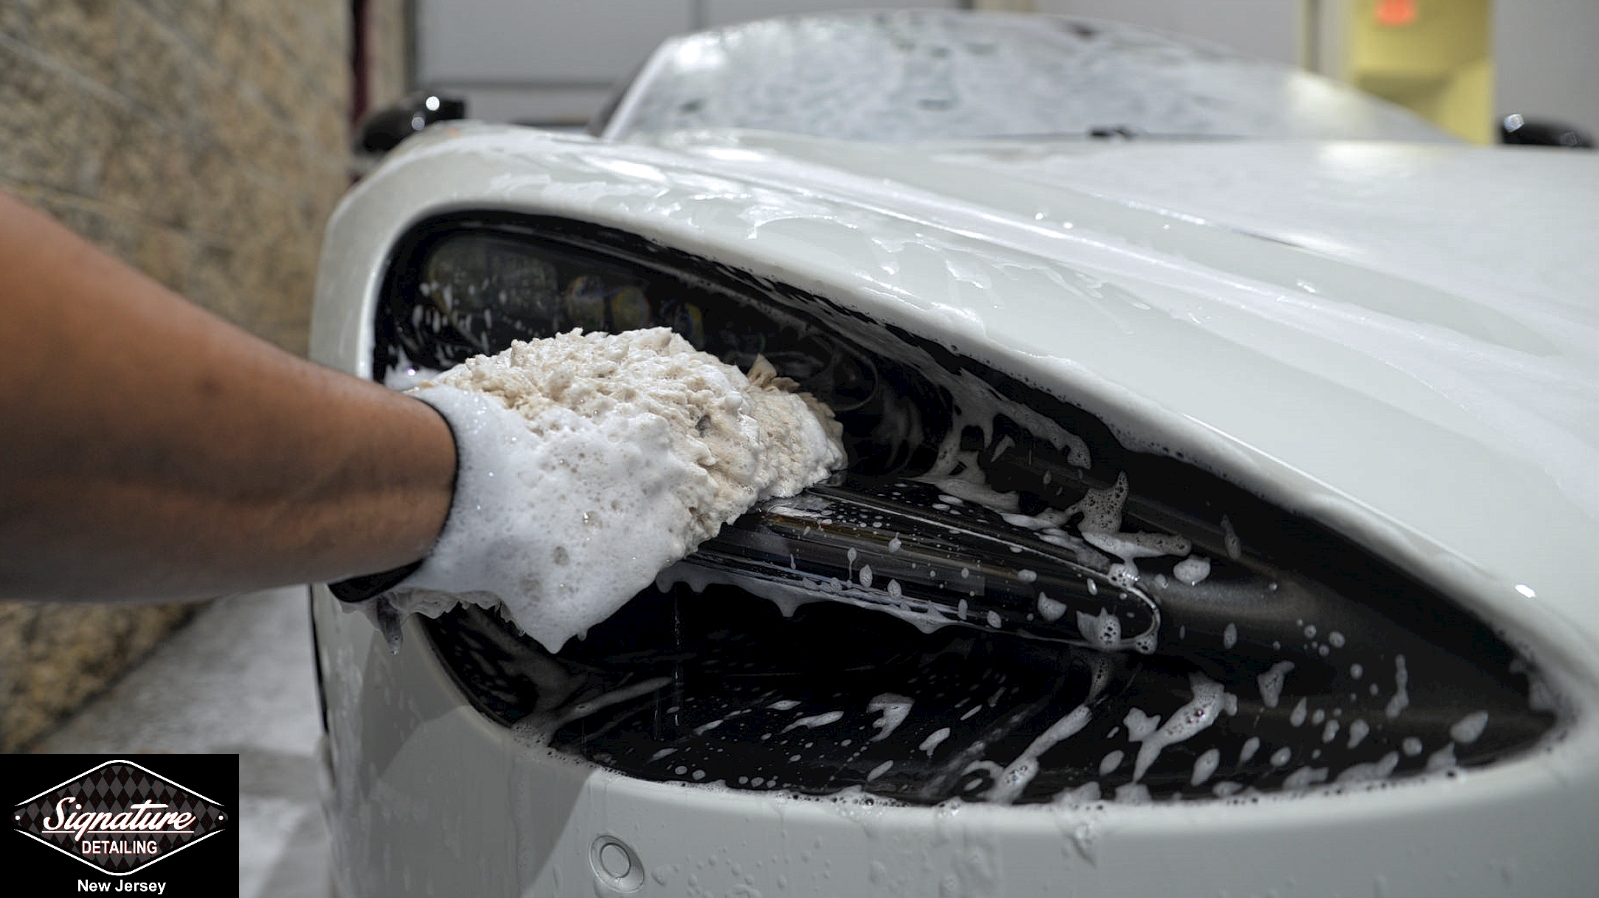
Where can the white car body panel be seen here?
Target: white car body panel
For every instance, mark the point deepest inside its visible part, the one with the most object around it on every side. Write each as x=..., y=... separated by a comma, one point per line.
x=1401, y=341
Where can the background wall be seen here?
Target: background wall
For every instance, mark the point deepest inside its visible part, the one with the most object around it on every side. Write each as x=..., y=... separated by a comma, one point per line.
x=204, y=141
x=554, y=62
x=1546, y=60
x=382, y=54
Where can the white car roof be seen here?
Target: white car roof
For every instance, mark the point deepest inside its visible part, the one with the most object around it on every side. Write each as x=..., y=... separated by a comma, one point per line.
x=938, y=74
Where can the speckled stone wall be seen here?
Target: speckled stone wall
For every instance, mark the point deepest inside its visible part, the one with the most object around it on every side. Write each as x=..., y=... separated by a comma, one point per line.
x=205, y=142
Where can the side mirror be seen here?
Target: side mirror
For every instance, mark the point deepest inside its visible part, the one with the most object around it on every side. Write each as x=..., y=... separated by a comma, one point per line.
x=382, y=129
x=1520, y=130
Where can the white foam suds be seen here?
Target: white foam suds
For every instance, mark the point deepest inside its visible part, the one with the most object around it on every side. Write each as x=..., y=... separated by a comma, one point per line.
x=1049, y=609
x=1129, y=547
x=1204, y=766
x=1133, y=793
x=1140, y=725
x=1101, y=509
x=933, y=740
x=1401, y=697
x=1010, y=783
x=1358, y=730
x=1230, y=538
x=1101, y=667
x=1271, y=682
x=816, y=720
x=588, y=463
x=1468, y=728
x=1103, y=629
x=894, y=708
x=954, y=492
x=1109, y=763
x=1185, y=723
x=1370, y=771
x=1084, y=835
x=1442, y=759
x=1305, y=777
x=1192, y=570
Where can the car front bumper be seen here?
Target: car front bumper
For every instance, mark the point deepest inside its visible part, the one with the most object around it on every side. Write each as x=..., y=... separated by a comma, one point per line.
x=430, y=797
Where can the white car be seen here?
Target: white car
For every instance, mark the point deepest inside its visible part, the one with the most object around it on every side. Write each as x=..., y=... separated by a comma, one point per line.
x=1224, y=454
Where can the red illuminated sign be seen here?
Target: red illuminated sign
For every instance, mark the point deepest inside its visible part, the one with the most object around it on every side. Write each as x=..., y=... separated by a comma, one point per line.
x=1394, y=13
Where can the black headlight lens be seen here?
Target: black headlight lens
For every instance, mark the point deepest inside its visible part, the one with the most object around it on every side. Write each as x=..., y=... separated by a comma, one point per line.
x=1287, y=656
x=484, y=291
x=459, y=289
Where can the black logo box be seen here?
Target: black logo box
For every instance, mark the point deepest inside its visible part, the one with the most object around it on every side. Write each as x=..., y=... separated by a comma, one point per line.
x=209, y=868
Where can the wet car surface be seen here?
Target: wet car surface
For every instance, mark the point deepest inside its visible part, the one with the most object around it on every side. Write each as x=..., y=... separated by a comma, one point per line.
x=1015, y=696
x=1219, y=493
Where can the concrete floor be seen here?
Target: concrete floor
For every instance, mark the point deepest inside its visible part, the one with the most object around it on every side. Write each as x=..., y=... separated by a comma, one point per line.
x=237, y=679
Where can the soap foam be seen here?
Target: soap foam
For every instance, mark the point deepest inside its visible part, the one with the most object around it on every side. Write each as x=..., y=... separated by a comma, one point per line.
x=590, y=462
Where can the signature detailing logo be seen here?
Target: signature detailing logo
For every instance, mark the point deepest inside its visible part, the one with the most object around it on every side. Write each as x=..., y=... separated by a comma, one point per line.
x=119, y=817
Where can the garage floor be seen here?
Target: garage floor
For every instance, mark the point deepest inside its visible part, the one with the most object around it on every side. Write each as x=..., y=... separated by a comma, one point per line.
x=237, y=679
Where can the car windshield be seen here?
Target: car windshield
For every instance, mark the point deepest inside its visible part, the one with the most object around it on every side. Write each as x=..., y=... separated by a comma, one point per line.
x=937, y=75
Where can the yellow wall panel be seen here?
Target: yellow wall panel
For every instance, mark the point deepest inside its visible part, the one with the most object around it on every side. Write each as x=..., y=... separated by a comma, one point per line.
x=1431, y=56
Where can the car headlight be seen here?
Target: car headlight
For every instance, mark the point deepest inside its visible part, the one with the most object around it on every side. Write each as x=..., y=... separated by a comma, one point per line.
x=1207, y=645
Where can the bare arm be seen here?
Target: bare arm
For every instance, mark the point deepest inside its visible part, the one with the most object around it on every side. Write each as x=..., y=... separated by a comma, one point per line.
x=149, y=449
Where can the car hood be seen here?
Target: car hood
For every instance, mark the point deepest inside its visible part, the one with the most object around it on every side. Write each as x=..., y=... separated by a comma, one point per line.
x=1401, y=341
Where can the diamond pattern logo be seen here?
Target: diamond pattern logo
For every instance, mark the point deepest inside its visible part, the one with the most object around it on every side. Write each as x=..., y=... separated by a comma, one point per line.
x=119, y=818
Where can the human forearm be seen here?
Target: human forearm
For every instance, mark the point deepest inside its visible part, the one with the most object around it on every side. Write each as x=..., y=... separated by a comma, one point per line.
x=156, y=451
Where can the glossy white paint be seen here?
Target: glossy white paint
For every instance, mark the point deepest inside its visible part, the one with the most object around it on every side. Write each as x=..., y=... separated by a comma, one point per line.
x=1398, y=340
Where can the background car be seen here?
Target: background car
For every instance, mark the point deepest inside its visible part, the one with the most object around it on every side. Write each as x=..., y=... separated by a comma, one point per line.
x=1224, y=442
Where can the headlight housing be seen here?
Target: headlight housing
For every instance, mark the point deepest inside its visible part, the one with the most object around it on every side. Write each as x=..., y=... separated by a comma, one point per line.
x=1283, y=656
